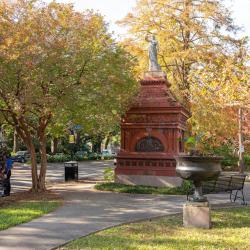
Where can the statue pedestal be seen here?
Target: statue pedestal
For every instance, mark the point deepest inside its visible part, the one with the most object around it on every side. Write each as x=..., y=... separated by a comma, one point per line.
x=197, y=214
x=152, y=133
x=155, y=74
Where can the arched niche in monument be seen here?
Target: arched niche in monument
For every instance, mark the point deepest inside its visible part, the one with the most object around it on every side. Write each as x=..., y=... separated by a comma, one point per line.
x=149, y=144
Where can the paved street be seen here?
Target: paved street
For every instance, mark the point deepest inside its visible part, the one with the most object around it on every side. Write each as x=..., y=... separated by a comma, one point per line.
x=21, y=173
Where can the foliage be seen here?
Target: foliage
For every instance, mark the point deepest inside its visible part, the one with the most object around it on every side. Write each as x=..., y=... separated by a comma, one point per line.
x=188, y=31
x=109, y=174
x=230, y=163
x=247, y=159
x=94, y=156
x=193, y=145
x=231, y=229
x=218, y=90
x=204, y=61
x=58, y=158
x=58, y=65
x=122, y=188
x=66, y=157
x=19, y=213
x=230, y=156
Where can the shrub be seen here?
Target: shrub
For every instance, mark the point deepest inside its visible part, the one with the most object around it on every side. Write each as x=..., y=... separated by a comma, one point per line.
x=58, y=158
x=247, y=159
x=94, y=156
x=186, y=186
x=140, y=189
x=229, y=161
x=107, y=157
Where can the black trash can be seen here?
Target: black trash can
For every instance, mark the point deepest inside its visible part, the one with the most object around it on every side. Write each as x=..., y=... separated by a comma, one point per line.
x=71, y=171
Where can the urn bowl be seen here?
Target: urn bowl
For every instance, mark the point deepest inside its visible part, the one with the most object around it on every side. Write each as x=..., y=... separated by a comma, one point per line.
x=198, y=169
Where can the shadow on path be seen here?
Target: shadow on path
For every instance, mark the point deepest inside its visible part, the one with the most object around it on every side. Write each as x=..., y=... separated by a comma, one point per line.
x=86, y=211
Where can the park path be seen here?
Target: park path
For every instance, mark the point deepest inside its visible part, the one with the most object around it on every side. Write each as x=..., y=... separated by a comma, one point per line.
x=87, y=211
x=21, y=173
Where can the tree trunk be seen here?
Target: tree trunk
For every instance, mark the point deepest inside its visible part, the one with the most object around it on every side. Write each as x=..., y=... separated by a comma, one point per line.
x=15, y=142
x=186, y=46
x=54, y=145
x=78, y=140
x=35, y=186
x=24, y=134
x=107, y=142
x=43, y=168
x=97, y=145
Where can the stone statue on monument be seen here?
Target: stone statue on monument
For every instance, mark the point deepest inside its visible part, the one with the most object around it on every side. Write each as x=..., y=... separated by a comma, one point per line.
x=153, y=54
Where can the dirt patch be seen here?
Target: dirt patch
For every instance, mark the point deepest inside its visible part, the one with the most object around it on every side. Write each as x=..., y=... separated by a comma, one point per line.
x=30, y=196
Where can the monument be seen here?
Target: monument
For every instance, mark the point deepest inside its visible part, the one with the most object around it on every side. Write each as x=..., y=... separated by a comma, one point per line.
x=152, y=131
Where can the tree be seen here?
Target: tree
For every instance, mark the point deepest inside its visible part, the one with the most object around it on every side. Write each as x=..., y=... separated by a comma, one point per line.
x=191, y=34
x=51, y=59
x=217, y=91
x=200, y=54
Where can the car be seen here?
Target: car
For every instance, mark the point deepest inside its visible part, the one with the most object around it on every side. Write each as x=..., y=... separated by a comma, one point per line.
x=21, y=156
x=106, y=152
x=81, y=154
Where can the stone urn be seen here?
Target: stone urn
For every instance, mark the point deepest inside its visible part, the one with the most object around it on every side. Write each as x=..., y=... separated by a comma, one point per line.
x=198, y=169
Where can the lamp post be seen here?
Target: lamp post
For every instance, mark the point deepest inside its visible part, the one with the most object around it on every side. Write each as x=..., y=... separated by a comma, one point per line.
x=241, y=146
x=240, y=133
x=72, y=143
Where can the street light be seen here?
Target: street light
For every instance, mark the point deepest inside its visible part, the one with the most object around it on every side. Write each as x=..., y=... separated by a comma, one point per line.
x=241, y=145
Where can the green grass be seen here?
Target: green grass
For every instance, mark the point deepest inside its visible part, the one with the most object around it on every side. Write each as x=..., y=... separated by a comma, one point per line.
x=121, y=188
x=231, y=230
x=22, y=212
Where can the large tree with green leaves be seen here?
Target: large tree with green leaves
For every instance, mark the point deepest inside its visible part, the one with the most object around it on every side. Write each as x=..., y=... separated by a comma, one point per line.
x=57, y=64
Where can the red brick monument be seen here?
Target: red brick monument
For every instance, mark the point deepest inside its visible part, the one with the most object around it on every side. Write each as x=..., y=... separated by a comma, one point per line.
x=152, y=132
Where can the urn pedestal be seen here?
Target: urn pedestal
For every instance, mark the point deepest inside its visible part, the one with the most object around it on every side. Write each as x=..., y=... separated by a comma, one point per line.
x=197, y=211
x=197, y=214
x=152, y=134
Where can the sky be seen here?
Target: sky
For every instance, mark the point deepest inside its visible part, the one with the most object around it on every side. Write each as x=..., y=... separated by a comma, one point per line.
x=114, y=10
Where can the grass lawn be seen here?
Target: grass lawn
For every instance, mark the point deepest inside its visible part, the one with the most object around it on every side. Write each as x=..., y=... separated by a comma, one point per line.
x=231, y=230
x=122, y=188
x=14, y=212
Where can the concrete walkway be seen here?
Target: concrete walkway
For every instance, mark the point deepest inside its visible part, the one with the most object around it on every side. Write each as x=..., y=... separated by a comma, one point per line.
x=87, y=211
x=21, y=173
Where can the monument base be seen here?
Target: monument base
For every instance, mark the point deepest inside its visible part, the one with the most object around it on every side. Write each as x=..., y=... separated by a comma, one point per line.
x=197, y=214
x=147, y=180
x=154, y=74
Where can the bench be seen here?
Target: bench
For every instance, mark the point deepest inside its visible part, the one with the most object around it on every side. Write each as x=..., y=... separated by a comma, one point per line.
x=225, y=183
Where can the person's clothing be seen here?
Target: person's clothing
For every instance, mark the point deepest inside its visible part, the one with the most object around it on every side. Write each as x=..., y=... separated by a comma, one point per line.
x=6, y=182
x=1, y=186
x=9, y=164
x=6, y=187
